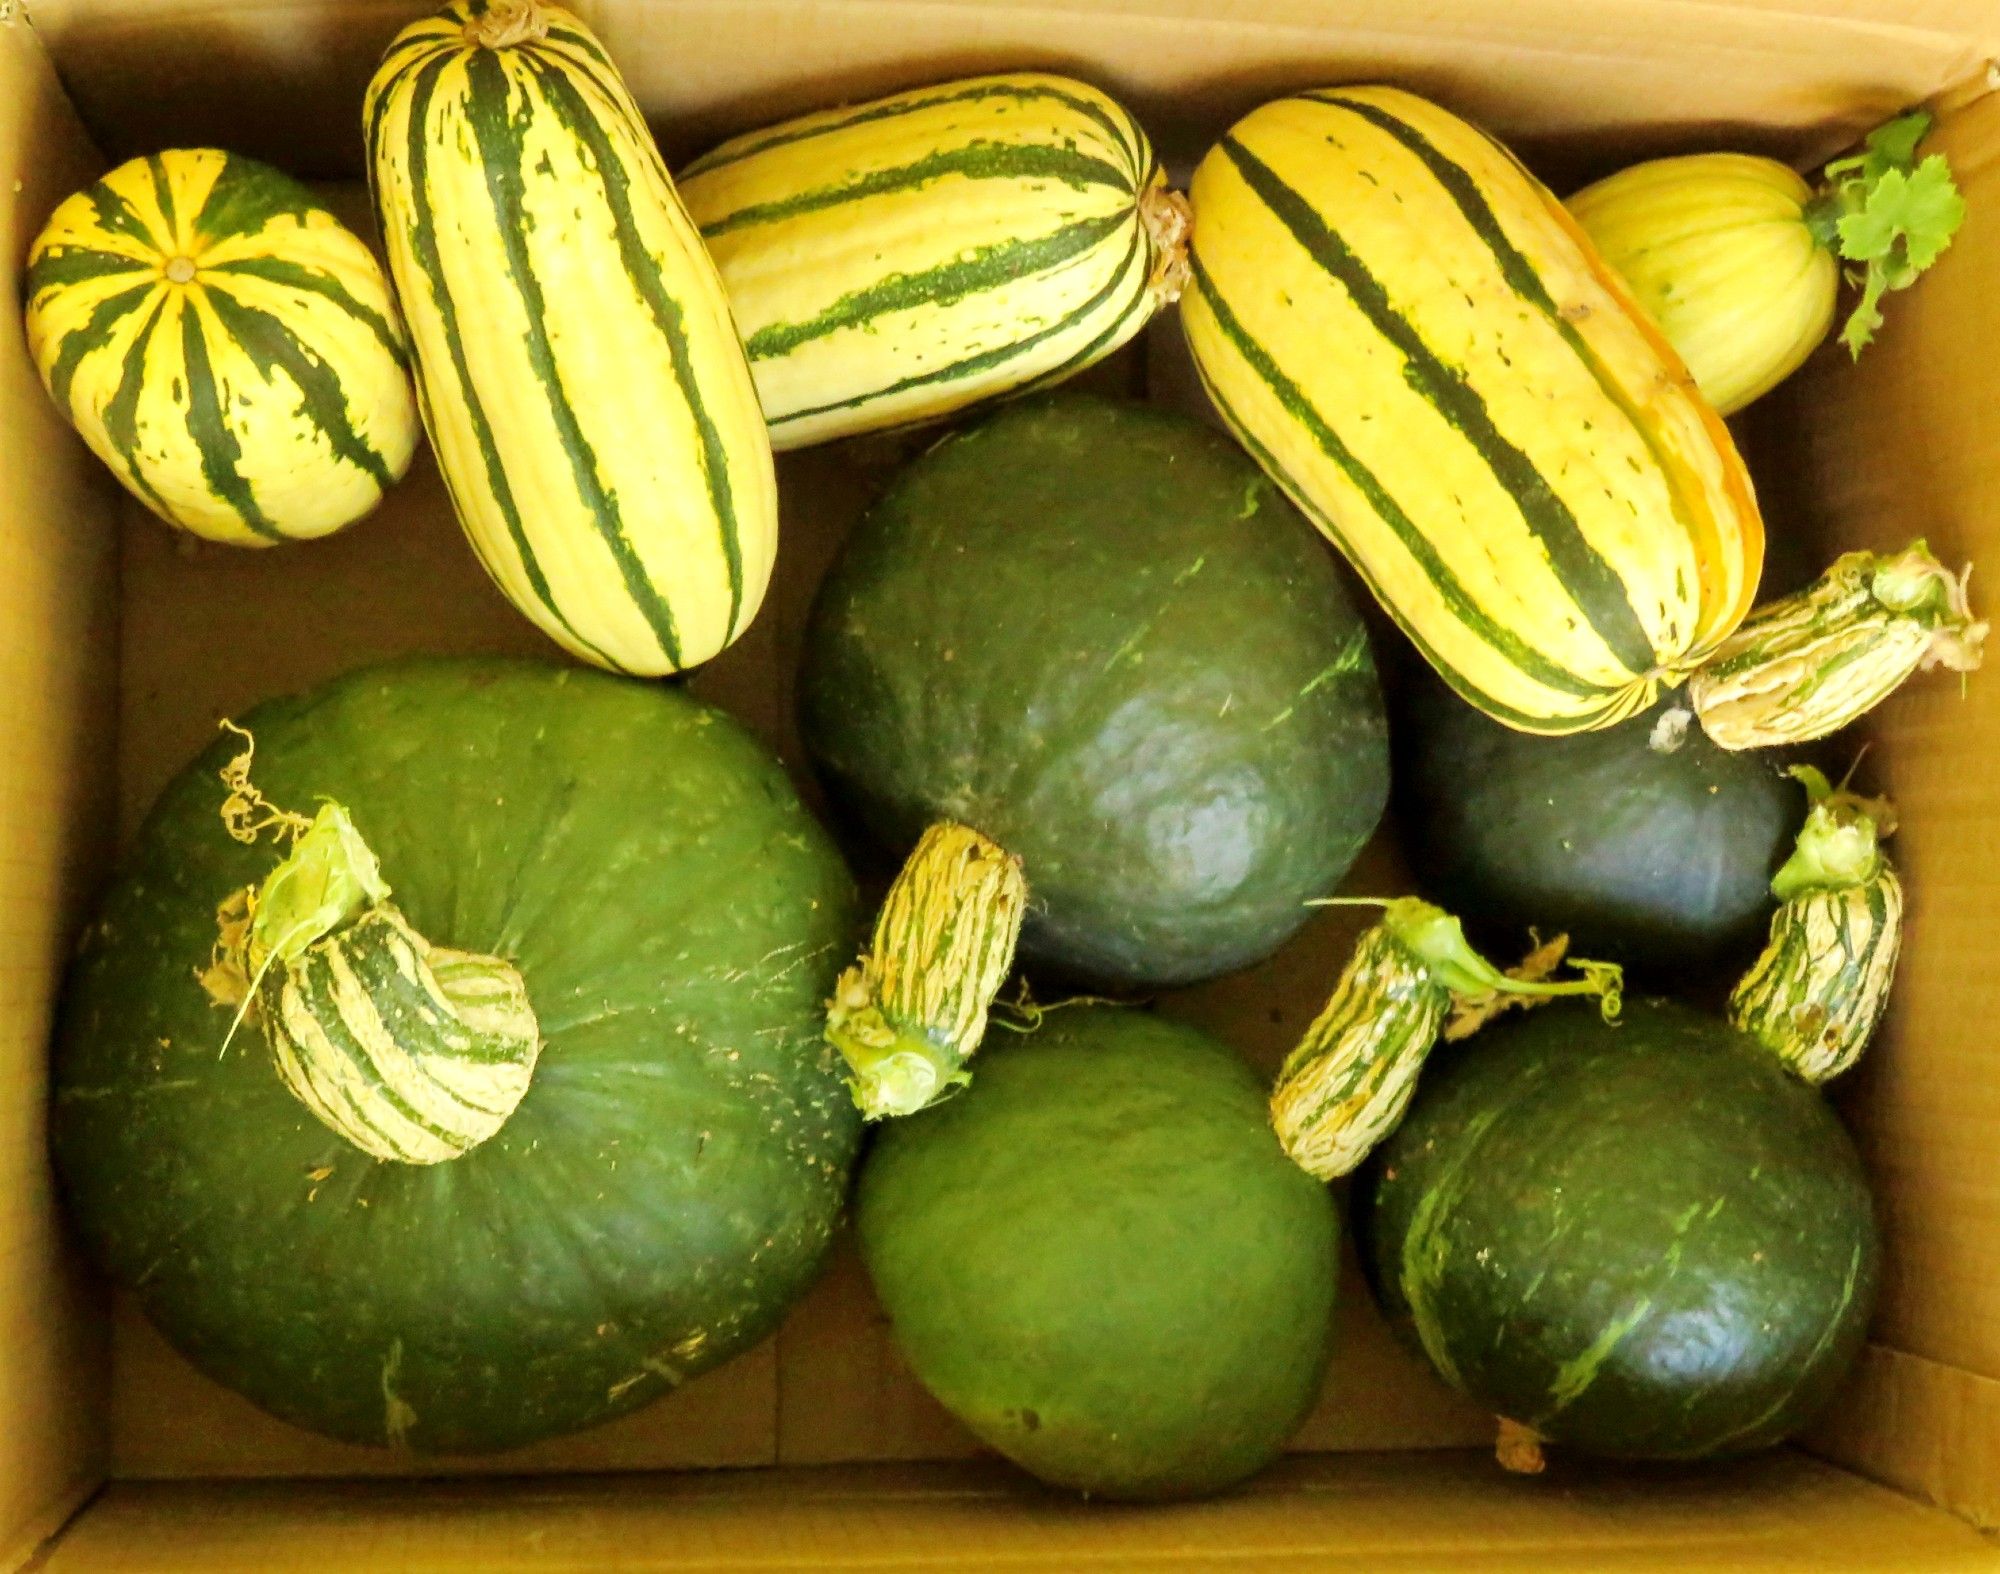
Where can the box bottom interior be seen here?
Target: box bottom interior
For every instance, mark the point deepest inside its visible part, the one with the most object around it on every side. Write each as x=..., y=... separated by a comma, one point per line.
x=1379, y=1513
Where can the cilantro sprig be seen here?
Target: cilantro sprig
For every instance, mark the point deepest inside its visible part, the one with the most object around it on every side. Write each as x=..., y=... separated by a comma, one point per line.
x=1888, y=211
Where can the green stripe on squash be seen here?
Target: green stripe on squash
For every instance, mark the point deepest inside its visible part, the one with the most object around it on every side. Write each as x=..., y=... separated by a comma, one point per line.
x=208, y=424
x=104, y=322
x=1596, y=587
x=501, y=138
x=899, y=108
x=666, y=311
x=269, y=344
x=1028, y=161
x=987, y=268
x=121, y=414
x=316, y=281
x=77, y=265
x=422, y=231
x=985, y=360
x=1415, y=542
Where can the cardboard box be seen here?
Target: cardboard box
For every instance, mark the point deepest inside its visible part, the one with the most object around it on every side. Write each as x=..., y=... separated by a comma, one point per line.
x=120, y=646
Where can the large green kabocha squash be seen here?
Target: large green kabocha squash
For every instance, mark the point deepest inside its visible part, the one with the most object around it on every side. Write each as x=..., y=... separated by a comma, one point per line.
x=1646, y=1240
x=1094, y=638
x=1100, y=1260
x=646, y=922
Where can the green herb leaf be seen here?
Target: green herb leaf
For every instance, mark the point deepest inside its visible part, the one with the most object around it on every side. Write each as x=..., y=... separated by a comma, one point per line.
x=1894, y=145
x=1896, y=216
x=1932, y=213
x=1889, y=146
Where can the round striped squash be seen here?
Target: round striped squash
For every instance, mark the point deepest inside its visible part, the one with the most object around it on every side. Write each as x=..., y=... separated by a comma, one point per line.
x=1417, y=342
x=891, y=262
x=225, y=345
x=581, y=378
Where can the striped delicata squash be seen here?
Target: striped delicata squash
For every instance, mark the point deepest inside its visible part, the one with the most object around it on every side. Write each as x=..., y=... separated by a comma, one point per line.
x=225, y=345
x=1414, y=338
x=581, y=378
x=891, y=262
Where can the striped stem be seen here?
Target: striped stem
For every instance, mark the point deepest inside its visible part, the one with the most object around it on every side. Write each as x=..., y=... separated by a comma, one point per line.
x=413, y=1053
x=1817, y=993
x=1346, y=1086
x=1808, y=664
x=911, y=1012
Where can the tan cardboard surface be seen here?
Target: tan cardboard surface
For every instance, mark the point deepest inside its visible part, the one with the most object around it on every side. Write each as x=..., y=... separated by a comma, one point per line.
x=56, y=673
x=1921, y=1426
x=1355, y=1514
x=283, y=78
x=1908, y=444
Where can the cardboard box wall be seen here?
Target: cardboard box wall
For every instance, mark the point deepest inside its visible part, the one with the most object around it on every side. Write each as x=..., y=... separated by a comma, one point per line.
x=120, y=646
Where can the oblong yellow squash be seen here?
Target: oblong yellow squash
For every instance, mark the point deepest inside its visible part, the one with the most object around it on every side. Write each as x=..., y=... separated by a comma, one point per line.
x=1417, y=342
x=893, y=261
x=580, y=375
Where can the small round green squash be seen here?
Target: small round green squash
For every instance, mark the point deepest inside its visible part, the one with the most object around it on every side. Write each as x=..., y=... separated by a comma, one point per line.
x=1098, y=1258
x=1096, y=633
x=664, y=1190
x=1644, y=843
x=1647, y=1240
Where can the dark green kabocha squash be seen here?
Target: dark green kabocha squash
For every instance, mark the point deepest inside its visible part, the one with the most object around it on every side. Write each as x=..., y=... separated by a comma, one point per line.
x=1099, y=1259
x=491, y=1100
x=1646, y=1240
x=1095, y=646
x=1645, y=843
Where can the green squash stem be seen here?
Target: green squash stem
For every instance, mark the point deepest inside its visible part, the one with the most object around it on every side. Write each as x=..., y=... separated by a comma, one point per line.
x=1413, y=978
x=1839, y=845
x=909, y=1014
x=414, y=1053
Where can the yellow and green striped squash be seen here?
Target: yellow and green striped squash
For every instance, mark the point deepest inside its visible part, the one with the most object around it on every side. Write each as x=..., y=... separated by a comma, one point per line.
x=225, y=345
x=579, y=373
x=894, y=261
x=1420, y=346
